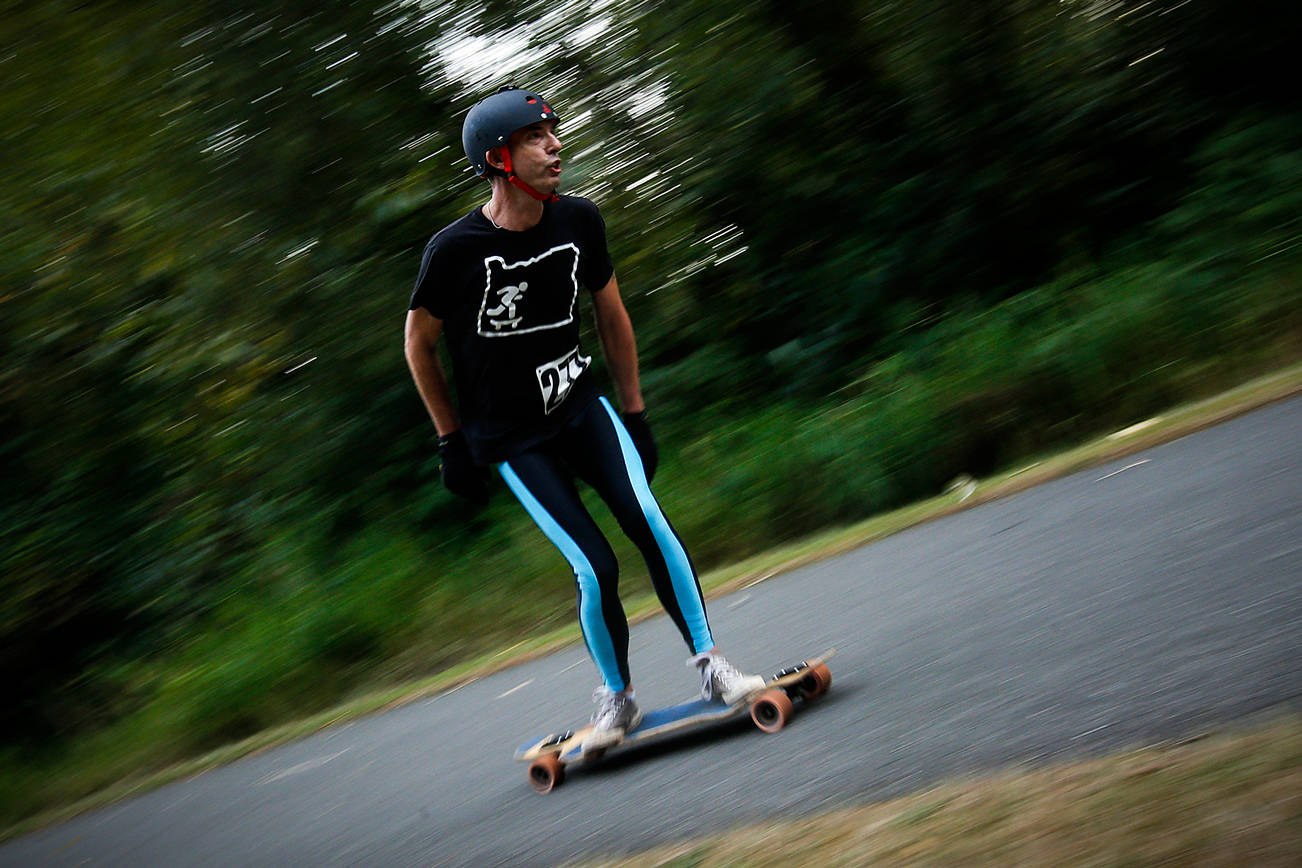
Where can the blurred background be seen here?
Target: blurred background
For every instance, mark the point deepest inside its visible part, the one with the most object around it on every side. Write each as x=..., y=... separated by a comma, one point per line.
x=867, y=246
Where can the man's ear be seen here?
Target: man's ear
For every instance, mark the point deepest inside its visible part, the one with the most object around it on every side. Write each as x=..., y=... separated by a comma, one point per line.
x=494, y=158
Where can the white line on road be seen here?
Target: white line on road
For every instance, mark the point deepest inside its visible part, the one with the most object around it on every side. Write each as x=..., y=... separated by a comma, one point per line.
x=1091, y=731
x=1122, y=470
x=514, y=689
x=300, y=768
x=452, y=690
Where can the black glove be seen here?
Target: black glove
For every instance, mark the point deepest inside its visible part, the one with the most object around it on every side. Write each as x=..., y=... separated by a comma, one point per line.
x=640, y=431
x=458, y=470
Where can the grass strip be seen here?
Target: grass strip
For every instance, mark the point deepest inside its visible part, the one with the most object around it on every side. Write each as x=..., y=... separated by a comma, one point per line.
x=1230, y=798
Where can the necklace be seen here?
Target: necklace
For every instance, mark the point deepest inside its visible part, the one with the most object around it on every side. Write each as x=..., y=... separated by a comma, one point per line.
x=488, y=212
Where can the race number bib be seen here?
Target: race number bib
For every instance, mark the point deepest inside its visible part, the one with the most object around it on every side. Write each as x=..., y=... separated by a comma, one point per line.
x=557, y=377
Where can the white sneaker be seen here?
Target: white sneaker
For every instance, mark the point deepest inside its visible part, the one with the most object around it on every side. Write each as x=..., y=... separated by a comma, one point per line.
x=616, y=715
x=720, y=679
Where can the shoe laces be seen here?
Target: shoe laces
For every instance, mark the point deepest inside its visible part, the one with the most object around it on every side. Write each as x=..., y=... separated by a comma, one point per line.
x=718, y=673
x=724, y=673
x=609, y=705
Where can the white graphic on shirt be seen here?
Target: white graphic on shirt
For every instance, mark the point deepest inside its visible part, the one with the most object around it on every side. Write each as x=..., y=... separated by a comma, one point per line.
x=530, y=295
x=507, y=296
x=557, y=377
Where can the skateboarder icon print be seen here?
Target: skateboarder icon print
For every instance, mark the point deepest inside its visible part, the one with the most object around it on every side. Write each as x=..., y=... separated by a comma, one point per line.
x=503, y=288
x=507, y=296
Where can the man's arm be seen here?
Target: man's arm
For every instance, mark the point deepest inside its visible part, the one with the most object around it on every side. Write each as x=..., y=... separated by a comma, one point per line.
x=420, y=345
x=616, y=332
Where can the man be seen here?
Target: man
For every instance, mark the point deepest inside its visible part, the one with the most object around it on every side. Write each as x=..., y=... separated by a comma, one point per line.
x=502, y=284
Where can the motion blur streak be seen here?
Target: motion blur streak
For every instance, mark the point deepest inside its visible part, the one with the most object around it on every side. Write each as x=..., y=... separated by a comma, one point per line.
x=868, y=247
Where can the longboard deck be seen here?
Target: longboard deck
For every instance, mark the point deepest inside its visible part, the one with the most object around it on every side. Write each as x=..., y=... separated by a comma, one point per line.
x=568, y=746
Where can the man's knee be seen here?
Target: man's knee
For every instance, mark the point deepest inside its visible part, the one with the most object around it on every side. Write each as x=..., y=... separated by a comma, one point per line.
x=605, y=568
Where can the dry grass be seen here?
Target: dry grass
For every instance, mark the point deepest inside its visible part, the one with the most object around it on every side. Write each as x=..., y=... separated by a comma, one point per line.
x=1231, y=799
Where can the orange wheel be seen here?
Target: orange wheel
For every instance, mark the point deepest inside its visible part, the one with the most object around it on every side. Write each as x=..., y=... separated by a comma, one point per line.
x=546, y=773
x=816, y=681
x=771, y=710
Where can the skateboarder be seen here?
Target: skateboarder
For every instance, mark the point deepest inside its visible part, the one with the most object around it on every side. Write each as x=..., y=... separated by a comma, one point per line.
x=503, y=285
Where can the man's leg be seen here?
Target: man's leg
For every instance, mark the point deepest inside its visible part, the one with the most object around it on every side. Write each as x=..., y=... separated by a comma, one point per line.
x=547, y=492
x=604, y=456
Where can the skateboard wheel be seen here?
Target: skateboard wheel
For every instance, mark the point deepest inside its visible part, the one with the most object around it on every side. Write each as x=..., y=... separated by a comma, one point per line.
x=546, y=773
x=816, y=681
x=771, y=710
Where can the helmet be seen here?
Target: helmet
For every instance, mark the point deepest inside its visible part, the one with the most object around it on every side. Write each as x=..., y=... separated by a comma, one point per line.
x=490, y=122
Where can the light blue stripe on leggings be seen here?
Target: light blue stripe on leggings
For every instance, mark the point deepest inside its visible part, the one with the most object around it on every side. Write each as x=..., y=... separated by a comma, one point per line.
x=600, y=645
x=680, y=568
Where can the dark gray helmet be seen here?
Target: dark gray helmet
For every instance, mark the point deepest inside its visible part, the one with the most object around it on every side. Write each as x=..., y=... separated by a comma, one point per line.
x=490, y=122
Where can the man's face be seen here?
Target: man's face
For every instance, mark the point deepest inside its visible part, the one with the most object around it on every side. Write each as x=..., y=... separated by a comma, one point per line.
x=535, y=156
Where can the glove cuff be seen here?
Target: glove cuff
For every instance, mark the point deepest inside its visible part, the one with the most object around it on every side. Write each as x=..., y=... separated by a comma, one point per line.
x=636, y=423
x=454, y=440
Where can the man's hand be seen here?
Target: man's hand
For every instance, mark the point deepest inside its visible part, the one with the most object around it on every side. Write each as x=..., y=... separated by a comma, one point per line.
x=458, y=470
x=640, y=431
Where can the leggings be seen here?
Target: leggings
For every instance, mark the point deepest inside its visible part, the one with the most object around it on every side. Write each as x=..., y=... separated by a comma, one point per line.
x=597, y=449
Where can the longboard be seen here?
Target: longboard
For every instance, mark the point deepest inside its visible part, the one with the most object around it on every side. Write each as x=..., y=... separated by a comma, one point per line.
x=769, y=707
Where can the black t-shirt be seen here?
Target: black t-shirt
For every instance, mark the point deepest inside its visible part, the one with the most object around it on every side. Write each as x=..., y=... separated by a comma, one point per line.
x=509, y=302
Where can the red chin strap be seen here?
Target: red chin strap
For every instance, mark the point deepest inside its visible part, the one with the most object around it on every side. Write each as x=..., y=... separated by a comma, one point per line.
x=511, y=176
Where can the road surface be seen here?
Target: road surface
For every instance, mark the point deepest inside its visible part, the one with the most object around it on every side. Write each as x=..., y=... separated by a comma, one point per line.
x=1153, y=597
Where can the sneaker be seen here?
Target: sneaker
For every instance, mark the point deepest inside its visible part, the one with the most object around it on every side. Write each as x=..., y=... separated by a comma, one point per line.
x=616, y=716
x=721, y=680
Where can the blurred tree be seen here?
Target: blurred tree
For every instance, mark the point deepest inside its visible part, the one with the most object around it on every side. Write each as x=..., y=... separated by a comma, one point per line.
x=886, y=155
x=180, y=170
x=214, y=210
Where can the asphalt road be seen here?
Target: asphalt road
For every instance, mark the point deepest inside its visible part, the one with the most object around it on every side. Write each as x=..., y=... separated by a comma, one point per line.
x=1151, y=598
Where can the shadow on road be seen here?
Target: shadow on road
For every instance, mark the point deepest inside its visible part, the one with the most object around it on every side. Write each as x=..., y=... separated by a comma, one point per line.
x=694, y=739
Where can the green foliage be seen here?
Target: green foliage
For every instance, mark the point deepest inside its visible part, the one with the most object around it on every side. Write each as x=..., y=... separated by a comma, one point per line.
x=867, y=247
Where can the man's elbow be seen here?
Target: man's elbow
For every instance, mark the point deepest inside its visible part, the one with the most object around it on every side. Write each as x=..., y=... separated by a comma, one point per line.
x=416, y=353
x=415, y=347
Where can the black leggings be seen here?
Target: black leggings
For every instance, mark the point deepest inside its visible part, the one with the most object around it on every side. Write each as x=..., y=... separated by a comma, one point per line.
x=596, y=448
